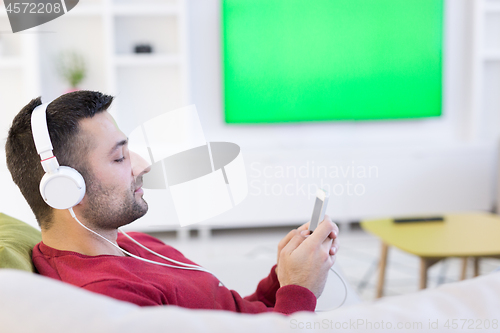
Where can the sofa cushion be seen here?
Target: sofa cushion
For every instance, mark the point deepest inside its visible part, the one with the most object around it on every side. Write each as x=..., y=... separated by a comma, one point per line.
x=34, y=303
x=17, y=240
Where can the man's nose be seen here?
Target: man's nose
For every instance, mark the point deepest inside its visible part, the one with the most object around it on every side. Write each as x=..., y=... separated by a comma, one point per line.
x=139, y=165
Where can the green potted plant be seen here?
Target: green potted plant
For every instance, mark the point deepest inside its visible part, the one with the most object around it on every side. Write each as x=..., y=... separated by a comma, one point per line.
x=72, y=68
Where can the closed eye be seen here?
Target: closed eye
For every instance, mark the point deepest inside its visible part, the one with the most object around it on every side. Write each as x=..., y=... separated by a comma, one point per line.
x=120, y=159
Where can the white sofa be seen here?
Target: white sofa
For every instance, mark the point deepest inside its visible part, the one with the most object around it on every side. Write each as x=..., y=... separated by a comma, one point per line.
x=33, y=303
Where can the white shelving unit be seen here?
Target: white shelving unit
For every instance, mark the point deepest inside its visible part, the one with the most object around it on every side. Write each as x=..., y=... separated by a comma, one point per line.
x=160, y=78
x=485, y=101
x=105, y=33
x=485, y=69
x=18, y=82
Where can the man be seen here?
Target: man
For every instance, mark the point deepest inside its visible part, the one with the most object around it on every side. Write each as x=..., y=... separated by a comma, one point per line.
x=86, y=138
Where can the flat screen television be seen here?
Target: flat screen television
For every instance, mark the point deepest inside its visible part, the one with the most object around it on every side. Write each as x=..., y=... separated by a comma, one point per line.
x=324, y=60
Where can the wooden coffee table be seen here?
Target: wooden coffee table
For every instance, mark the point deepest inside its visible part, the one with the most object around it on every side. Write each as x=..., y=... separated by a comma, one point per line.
x=473, y=235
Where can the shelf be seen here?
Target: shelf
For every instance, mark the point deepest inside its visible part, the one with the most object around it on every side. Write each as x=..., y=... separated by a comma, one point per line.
x=11, y=62
x=492, y=55
x=145, y=9
x=161, y=32
x=146, y=60
x=492, y=7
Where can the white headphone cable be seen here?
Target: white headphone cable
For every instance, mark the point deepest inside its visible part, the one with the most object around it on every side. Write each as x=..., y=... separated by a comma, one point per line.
x=345, y=290
x=187, y=266
x=156, y=253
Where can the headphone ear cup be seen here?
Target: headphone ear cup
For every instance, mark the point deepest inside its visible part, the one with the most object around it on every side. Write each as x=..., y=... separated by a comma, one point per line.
x=63, y=189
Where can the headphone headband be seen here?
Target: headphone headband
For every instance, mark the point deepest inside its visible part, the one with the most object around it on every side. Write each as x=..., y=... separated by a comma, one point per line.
x=41, y=137
x=40, y=130
x=61, y=187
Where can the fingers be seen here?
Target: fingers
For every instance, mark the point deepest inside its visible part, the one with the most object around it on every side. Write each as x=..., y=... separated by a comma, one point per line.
x=292, y=233
x=305, y=226
x=330, y=245
x=323, y=231
x=325, y=237
x=287, y=238
x=326, y=246
x=335, y=231
x=294, y=242
x=335, y=247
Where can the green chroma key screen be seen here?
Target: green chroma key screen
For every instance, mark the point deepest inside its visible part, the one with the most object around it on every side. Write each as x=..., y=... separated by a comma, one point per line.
x=316, y=60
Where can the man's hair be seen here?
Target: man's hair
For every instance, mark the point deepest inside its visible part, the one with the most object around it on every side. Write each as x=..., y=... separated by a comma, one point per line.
x=70, y=148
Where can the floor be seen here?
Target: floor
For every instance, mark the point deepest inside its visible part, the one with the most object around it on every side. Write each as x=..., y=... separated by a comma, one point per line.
x=241, y=257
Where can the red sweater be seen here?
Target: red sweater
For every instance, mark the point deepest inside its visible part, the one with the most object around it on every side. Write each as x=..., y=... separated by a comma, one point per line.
x=142, y=283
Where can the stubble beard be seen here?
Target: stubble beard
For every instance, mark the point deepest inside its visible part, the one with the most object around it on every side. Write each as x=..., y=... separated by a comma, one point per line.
x=107, y=209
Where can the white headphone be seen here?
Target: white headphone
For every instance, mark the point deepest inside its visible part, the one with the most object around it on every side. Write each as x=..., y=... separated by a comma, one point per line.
x=61, y=187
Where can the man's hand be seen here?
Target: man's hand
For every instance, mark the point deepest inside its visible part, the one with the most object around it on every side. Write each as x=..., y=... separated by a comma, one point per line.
x=303, y=230
x=305, y=259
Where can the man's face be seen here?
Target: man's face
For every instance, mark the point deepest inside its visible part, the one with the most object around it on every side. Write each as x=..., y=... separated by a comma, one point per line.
x=113, y=175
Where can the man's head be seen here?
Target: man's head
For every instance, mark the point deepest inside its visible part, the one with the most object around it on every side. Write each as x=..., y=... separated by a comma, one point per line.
x=80, y=130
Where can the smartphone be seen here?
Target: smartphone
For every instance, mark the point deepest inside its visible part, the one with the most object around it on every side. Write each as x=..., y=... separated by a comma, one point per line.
x=319, y=209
